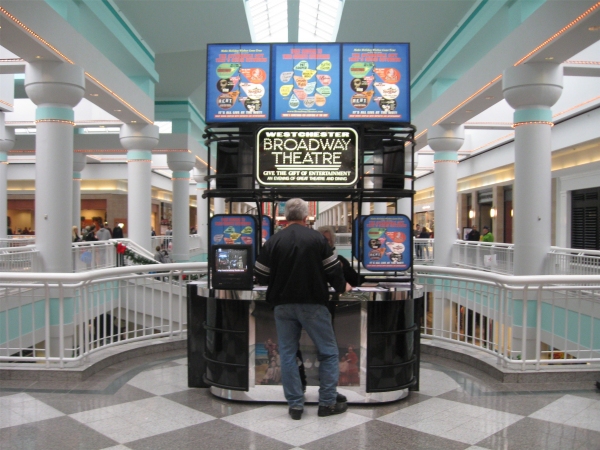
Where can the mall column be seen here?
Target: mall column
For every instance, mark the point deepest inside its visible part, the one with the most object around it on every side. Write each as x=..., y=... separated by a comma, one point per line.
x=181, y=163
x=139, y=140
x=531, y=89
x=201, y=210
x=78, y=166
x=7, y=141
x=55, y=88
x=445, y=141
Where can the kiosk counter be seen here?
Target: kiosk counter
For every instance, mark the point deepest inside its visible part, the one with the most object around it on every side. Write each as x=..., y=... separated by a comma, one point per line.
x=232, y=344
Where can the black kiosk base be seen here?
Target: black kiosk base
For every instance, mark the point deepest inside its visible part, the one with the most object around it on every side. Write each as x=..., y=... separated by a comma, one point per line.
x=232, y=345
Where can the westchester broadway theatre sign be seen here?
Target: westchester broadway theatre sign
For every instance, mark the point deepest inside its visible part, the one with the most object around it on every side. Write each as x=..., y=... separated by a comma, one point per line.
x=307, y=156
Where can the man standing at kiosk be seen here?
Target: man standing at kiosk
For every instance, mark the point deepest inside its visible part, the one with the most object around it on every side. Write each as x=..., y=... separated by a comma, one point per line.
x=296, y=264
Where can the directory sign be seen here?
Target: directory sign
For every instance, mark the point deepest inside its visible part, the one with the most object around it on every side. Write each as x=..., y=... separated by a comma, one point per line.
x=306, y=82
x=238, y=82
x=387, y=243
x=233, y=229
x=375, y=82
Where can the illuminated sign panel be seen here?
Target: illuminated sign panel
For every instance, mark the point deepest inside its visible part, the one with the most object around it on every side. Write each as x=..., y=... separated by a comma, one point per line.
x=375, y=82
x=309, y=156
x=306, y=82
x=237, y=86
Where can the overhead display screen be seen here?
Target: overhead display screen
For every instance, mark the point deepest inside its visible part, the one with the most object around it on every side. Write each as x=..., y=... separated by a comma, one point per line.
x=375, y=82
x=238, y=82
x=306, y=82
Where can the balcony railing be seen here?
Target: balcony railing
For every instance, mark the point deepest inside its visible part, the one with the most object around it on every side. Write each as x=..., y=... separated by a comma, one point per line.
x=528, y=323
x=60, y=319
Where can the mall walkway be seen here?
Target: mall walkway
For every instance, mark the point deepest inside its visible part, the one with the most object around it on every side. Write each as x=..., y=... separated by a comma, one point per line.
x=145, y=403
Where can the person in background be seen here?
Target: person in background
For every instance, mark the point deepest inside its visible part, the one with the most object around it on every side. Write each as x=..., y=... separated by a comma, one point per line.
x=350, y=274
x=103, y=234
x=297, y=264
x=89, y=233
x=118, y=231
x=473, y=234
x=152, y=232
x=425, y=234
x=75, y=237
x=487, y=235
x=108, y=229
x=418, y=246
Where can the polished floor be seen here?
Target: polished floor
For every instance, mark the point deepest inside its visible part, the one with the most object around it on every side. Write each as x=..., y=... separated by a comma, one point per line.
x=145, y=403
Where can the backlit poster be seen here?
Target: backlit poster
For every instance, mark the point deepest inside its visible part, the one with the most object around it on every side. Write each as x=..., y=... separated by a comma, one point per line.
x=233, y=229
x=386, y=242
x=306, y=82
x=376, y=82
x=237, y=82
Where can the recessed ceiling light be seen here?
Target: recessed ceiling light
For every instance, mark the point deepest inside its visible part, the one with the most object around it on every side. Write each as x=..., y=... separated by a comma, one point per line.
x=117, y=110
x=594, y=28
x=93, y=95
x=489, y=97
x=549, y=58
x=468, y=110
x=134, y=121
x=38, y=57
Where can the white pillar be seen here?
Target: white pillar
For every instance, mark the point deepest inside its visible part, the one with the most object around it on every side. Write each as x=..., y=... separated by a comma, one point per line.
x=532, y=89
x=345, y=214
x=55, y=88
x=218, y=203
x=445, y=141
x=78, y=166
x=366, y=206
x=139, y=140
x=7, y=141
x=181, y=163
x=404, y=204
x=201, y=210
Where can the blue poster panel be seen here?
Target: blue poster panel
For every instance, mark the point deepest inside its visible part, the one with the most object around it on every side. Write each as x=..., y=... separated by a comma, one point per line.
x=386, y=242
x=232, y=229
x=306, y=82
x=376, y=82
x=266, y=228
x=237, y=82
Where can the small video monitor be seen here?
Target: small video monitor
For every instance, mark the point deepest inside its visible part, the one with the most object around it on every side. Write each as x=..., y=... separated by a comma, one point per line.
x=232, y=267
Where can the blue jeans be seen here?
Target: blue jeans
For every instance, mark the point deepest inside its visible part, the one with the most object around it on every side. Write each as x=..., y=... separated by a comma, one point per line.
x=316, y=320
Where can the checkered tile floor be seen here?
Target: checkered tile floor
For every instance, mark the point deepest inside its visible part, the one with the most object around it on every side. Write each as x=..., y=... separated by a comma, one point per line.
x=146, y=404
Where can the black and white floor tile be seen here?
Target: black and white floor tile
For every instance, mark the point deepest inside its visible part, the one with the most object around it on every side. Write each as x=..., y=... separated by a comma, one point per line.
x=145, y=404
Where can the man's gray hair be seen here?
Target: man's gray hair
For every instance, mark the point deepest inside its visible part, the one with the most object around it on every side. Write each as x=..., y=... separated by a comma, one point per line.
x=296, y=209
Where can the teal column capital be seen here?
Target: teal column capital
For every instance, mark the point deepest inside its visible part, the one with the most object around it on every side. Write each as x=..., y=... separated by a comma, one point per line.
x=445, y=156
x=54, y=113
x=139, y=155
x=201, y=185
x=543, y=115
x=180, y=174
x=3, y=157
x=77, y=175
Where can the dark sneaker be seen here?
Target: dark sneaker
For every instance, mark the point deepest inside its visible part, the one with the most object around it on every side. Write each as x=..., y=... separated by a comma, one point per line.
x=296, y=413
x=330, y=410
x=341, y=398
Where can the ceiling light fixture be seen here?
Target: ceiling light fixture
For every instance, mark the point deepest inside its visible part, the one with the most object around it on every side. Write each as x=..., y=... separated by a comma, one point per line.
x=267, y=20
x=319, y=20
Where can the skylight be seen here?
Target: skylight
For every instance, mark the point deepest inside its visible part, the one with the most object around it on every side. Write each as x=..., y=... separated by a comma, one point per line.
x=319, y=20
x=268, y=20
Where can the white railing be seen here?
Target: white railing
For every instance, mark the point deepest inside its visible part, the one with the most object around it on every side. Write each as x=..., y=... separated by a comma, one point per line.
x=164, y=242
x=93, y=255
x=20, y=259
x=423, y=251
x=490, y=256
x=17, y=241
x=524, y=322
x=572, y=261
x=60, y=319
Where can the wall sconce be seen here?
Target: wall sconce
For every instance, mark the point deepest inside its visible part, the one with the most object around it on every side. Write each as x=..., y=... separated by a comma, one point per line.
x=511, y=213
x=493, y=212
x=471, y=214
